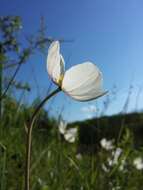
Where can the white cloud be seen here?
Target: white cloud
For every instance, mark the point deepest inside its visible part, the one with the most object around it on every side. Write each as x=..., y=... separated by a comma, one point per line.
x=89, y=109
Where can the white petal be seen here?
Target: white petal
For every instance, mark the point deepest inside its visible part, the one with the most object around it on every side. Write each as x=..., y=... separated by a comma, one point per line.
x=62, y=127
x=70, y=135
x=55, y=62
x=83, y=82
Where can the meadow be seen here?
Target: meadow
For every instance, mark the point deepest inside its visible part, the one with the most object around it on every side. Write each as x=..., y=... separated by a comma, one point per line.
x=58, y=164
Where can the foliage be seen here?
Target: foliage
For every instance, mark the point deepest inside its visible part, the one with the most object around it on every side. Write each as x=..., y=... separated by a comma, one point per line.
x=57, y=164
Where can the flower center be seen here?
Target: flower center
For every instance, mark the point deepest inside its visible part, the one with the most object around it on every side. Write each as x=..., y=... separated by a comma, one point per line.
x=59, y=81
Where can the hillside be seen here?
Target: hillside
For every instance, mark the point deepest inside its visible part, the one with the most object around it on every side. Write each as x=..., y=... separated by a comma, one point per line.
x=91, y=131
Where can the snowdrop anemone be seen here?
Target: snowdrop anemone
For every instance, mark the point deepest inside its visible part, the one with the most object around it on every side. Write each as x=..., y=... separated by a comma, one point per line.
x=69, y=134
x=82, y=82
x=107, y=144
x=138, y=163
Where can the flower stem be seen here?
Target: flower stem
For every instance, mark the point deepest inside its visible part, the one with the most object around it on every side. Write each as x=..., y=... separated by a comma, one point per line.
x=29, y=138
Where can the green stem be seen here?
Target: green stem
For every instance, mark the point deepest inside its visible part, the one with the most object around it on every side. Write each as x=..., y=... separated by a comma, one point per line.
x=29, y=138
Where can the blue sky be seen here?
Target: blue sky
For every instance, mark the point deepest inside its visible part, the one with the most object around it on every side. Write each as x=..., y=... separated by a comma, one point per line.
x=106, y=32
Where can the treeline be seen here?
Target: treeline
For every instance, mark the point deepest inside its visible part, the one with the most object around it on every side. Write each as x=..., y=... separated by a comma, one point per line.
x=90, y=131
x=114, y=127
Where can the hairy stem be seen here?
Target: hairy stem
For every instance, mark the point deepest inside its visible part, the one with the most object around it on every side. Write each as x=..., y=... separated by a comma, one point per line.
x=29, y=138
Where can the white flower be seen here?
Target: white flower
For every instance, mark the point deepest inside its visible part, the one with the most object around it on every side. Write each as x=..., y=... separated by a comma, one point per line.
x=69, y=134
x=62, y=127
x=105, y=169
x=78, y=156
x=116, y=155
x=110, y=162
x=82, y=82
x=138, y=163
x=106, y=144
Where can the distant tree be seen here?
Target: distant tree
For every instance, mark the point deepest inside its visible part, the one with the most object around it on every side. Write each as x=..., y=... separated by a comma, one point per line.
x=13, y=53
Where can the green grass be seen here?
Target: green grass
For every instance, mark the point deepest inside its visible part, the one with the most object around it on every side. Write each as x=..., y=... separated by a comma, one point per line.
x=57, y=164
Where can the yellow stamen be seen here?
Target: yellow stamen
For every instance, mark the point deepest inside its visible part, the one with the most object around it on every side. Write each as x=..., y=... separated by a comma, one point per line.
x=59, y=81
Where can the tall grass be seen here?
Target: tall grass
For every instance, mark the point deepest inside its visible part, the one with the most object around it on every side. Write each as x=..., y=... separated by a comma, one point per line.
x=57, y=164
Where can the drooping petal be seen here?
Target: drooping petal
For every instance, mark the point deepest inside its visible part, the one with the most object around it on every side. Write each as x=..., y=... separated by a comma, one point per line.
x=83, y=82
x=55, y=62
